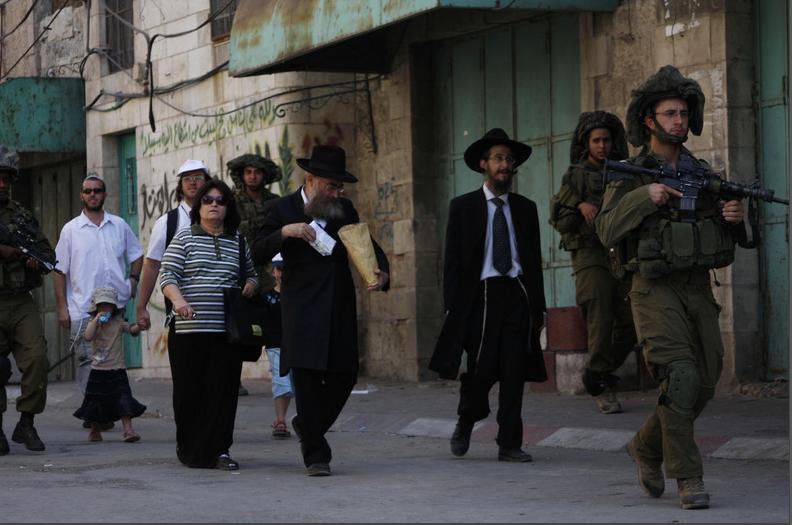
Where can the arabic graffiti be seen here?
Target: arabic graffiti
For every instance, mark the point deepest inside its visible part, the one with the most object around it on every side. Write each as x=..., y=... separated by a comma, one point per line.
x=209, y=130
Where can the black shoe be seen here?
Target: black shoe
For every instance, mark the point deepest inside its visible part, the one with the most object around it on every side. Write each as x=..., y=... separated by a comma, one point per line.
x=226, y=463
x=318, y=469
x=242, y=390
x=296, y=426
x=513, y=454
x=4, y=448
x=27, y=435
x=460, y=439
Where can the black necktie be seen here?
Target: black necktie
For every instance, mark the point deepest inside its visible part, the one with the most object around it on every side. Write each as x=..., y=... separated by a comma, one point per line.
x=501, y=247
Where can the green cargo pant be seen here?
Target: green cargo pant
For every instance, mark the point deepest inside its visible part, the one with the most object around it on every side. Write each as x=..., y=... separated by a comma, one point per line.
x=605, y=309
x=676, y=319
x=22, y=335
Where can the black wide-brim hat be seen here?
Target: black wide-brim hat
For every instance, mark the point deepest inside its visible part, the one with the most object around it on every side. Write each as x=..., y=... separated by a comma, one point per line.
x=493, y=137
x=328, y=162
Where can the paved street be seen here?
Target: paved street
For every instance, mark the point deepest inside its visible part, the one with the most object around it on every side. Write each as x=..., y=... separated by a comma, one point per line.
x=392, y=464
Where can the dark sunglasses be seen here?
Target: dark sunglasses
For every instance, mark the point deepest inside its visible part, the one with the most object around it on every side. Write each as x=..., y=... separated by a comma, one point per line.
x=208, y=199
x=88, y=191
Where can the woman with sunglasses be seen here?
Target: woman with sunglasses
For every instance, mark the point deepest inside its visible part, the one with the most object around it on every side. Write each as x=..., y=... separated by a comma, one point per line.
x=198, y=264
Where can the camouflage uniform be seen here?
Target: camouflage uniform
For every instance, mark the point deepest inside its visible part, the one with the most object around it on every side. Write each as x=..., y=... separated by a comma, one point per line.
x=601, y=298
x=251, y=212
x=676, y=316
x=21, y=329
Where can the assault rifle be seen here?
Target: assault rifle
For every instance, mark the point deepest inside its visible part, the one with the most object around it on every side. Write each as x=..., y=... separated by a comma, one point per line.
x=23, y=236
x=690, y=180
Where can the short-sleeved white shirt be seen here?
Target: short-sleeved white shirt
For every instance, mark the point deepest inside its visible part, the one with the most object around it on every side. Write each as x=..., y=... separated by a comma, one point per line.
x=92, y=256
x=157, y=245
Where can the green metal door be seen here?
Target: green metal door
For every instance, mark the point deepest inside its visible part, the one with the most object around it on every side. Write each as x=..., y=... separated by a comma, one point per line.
x=525, y=79
x=127, y=162
x=773, y=114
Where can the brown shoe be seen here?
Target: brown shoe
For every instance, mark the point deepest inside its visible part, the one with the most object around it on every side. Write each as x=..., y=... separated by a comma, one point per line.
x=692, y=494
x=609, y=403
x=650, y=475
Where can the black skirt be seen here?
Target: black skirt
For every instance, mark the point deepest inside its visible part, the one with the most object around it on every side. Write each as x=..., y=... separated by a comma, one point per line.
x=108, y=398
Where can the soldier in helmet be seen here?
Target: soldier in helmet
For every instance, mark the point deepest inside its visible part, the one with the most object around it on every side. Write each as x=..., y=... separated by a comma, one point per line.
x=675, y=313
x=21, y=330
x=251, y=175
x=601, y=297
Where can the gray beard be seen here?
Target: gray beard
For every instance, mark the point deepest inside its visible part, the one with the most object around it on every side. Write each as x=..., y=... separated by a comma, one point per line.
x=324, y=208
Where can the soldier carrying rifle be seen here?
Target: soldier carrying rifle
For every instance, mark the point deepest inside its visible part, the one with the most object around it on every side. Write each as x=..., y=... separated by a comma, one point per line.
x=21, y=331
x=670, y=255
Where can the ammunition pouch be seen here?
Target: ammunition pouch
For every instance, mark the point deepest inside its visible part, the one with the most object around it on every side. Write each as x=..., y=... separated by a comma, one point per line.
x=673, y=246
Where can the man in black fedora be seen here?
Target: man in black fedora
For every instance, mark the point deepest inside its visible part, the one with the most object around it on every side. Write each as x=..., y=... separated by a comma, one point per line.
x=494, y=296
x=318, y=302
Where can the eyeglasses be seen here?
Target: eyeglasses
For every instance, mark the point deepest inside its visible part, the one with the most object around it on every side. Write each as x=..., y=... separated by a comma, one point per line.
x=671, y=114
x=500, y=158
x=209, y=199
x=334, y=187
x=196, y=178
x=88, y=191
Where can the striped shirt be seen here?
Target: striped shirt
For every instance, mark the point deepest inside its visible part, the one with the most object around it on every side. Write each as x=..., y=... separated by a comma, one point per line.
x=202, y=265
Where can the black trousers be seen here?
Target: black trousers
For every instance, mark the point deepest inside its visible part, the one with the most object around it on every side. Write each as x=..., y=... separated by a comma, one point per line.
x=319, y=396
x=497, y=346
x=205, y=376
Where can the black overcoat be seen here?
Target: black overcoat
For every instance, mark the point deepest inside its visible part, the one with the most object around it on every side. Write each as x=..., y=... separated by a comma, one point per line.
x=318, y=301
x=464, y=259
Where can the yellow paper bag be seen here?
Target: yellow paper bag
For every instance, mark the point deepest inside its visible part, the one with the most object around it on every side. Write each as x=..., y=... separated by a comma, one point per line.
x=357, y=240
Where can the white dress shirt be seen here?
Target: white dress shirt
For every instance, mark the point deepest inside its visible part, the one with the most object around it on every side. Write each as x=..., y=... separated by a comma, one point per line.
x=93, y=256
x=156, y=246
x=488, y=270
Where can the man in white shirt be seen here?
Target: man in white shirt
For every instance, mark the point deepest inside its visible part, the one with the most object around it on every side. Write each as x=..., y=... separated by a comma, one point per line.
x=192, y=175
x=92, y=251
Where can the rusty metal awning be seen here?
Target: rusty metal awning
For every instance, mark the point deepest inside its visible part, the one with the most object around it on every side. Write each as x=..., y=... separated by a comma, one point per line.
x=270, y=36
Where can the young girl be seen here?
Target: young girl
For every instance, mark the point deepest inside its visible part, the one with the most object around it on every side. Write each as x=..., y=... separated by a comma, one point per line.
x=108, y=397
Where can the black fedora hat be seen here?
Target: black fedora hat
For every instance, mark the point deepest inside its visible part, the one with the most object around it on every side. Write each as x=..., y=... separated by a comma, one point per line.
x=328, y=162
x=495, y=136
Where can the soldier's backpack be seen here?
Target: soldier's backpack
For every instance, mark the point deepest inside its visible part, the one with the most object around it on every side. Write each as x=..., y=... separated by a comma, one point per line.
x=565, y=217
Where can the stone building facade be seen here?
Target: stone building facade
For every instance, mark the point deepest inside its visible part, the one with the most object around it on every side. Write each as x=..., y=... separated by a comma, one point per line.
x=452, y=73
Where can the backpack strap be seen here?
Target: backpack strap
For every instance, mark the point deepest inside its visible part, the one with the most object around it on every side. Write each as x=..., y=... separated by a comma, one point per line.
x=173, y=223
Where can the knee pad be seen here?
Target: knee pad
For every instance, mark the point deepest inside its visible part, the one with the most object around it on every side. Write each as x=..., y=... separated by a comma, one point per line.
x=681, y=387
x=5, y=370
x=596, y=384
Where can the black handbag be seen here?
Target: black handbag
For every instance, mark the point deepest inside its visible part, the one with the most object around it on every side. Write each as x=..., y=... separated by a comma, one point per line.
x=244, y=316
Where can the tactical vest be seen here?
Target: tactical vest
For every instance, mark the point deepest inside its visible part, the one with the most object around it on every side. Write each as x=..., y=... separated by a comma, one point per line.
x=15, y=276
x=663, y=244
x=564, y=215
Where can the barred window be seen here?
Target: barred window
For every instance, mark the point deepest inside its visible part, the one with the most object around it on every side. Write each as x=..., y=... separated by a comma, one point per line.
x=119, y=35
x=221, y=25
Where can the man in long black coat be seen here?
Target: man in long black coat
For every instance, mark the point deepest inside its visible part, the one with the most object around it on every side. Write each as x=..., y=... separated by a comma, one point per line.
x=320, y=339
x=494, y=310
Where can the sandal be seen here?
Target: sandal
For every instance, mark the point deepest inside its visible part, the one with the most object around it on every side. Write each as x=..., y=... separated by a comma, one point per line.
x=94, y=436
x=279, y=430
x=130, y=436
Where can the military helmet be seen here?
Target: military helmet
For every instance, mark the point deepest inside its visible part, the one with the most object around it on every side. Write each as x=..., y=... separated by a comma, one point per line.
x=236, y=168
x=668, y=82
x=590, y=120
x=9, y=160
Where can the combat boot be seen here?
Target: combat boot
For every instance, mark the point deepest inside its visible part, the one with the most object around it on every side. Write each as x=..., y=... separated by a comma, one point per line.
x=692, y=494
x=650, y=475
x=4, y=448
x=609, y=403
x=26, y=434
